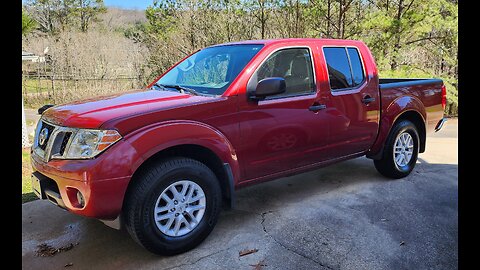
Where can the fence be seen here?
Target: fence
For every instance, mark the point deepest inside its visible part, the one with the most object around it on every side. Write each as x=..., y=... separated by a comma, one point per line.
x=44, y=88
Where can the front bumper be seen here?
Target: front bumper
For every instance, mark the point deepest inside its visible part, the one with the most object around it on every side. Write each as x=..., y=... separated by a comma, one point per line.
x=102, y=182
x=102, y=200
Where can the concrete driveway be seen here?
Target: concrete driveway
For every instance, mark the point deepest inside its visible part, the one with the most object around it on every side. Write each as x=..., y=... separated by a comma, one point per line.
x=345, y=216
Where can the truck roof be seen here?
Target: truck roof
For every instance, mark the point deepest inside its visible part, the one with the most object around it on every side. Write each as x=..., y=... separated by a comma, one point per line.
x=291, y=41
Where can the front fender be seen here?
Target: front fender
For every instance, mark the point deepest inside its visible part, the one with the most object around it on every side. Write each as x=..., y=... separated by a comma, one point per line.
x=389, y=115
x=154, y=138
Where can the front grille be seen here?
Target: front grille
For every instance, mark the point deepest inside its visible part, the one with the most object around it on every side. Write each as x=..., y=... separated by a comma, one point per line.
x=54, y=144
x=65, y=140
x=48, y=135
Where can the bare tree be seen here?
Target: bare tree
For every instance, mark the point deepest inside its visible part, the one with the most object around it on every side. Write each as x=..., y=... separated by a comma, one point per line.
x=87, y=11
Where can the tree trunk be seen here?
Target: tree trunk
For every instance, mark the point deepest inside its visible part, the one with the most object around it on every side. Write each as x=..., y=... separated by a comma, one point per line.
x=397, y=46
x=339, y=24
x=262, y=20
x=297, y=19
x=329, y=6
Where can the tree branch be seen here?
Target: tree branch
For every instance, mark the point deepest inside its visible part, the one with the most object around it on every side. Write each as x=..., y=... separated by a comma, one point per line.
x=408, y=7
x=424, y=38
x=375, y=4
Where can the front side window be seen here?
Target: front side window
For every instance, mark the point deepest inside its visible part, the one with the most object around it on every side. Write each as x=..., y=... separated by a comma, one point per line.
x=211, y=70
x=344, y=66
x=294, y=65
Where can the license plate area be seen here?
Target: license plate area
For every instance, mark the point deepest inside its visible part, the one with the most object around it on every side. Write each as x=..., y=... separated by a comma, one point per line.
x=37, y=186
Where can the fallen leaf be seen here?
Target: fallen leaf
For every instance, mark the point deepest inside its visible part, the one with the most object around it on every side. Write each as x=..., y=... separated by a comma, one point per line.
x=66, y=248
x=246, y=252
x=402, y=243
x=68, y=264
x=259, y=265
x=45, y=250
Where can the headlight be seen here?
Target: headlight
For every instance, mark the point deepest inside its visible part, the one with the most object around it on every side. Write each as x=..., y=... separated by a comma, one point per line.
x=88, y=143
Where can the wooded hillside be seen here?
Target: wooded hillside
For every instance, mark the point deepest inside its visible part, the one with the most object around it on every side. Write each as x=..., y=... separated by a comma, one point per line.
x=96, y=50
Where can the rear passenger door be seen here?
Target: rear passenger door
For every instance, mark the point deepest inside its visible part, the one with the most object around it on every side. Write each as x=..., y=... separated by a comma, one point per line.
x=353, y=104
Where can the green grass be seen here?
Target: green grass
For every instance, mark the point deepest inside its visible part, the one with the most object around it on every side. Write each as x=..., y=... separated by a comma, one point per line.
x=35, y=86
x=27, y=192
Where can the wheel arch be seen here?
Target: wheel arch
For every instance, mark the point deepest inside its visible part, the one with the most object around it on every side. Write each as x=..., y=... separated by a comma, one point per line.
x=403, y=108
x=417, y=119
x=222, y=170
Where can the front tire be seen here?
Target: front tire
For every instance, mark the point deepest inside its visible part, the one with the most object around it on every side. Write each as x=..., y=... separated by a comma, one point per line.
x=172, y=206
x=400, y=152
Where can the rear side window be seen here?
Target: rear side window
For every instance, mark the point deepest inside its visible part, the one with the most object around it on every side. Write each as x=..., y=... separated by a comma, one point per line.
x=357, y=68
x=344, y=66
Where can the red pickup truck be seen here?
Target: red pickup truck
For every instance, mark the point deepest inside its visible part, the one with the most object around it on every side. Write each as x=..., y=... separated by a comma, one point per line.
x=162, y=161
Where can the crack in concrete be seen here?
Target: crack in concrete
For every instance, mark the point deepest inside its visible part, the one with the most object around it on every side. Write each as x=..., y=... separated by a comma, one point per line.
x=196, y=261
x=287, y=248
x=345, y=256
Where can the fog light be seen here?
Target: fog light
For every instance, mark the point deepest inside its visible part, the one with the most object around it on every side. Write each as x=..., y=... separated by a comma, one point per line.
x=80, y=199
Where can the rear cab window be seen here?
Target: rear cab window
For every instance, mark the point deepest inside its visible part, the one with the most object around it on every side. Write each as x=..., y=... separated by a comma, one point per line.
x=345, y=68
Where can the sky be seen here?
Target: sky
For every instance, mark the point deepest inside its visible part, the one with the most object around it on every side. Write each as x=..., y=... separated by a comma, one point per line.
x=130, y=4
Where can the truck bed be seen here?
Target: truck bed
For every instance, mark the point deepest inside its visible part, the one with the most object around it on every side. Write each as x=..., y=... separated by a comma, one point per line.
x=426, y=91
x=393, y=83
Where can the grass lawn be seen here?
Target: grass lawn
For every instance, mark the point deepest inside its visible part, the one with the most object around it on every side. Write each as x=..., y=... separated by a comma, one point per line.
x=27, y=192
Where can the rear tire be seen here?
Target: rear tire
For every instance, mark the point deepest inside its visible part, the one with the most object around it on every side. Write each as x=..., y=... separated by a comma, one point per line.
x=400, y=152
x=148, y=196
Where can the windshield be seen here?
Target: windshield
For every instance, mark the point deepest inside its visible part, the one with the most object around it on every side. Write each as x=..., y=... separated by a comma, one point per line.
x=211, y=70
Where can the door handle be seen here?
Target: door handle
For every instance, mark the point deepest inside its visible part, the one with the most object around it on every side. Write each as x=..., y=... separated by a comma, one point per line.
x=317, y=107
x=367, y=99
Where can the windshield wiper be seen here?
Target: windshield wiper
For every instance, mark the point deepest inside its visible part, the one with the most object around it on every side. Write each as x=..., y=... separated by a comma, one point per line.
x=181, y=89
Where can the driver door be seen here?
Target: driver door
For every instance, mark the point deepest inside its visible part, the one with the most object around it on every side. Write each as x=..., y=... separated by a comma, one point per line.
x=288, y=130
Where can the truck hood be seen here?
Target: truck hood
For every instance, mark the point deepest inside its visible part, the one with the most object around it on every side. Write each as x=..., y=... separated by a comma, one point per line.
x=92, y=113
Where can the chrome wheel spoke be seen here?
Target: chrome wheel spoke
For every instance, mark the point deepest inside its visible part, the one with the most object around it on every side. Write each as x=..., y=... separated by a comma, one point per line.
x=176, y=194
x=163, y=217
x=187, y=224
x=190, y=194
x=162, y=209
x=185, y=186
x=178, y=222
x=196, y=198
x=192, y=217
x=196, y=207
x=166, y=198
x=168, y=225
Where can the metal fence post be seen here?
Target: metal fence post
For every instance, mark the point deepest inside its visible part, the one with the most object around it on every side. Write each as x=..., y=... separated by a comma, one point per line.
x=25, y=141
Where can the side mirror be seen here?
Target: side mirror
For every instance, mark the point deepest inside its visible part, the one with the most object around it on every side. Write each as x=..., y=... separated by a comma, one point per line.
x=269, y=87
x=44, y=108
